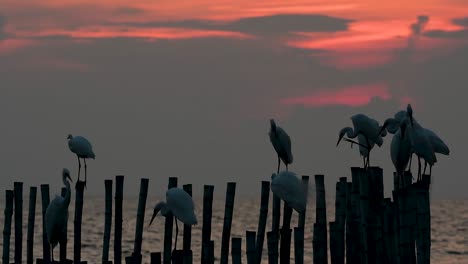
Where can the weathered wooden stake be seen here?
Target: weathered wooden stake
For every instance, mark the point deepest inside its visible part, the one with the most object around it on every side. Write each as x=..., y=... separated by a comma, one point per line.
x=207, y=214
x=319, y=240
x=299, y=245
x=236, y=250
x=169, y=221
x=107, y=221
x=265, y=196
x=209, y=252
x=136, y=255
x=334, y=243
x=285, y=242
x=7, y=227
x=18, y=191
x=63, y=244
x=340, y=219
x=119, y=183
x=79, y=196
x=250, y=247
x=45, y=203
x=31, y=221
x=228, y=211
x=155, y=258
x=424, y=221
x=188, y=258
x=272, y=240
x=364, y=206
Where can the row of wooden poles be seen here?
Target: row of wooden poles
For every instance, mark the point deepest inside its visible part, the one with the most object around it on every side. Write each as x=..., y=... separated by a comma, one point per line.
x=367, y=227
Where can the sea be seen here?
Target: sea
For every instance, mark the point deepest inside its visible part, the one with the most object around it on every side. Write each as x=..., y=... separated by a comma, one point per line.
x=449, y=229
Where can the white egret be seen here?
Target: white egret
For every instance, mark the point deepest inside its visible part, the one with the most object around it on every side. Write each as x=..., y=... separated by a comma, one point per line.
x=178, y=203
x=83, y=149
x=288, y=187
x=367, y=130
x=281, y=143
x=56, y=216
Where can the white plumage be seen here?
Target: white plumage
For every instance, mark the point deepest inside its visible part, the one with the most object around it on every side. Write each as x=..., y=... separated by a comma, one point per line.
x=367, y=131
x=281, y=143
x=400, y=147
x=180, y=204
x=288, y=187
x=56, y=216
x=82, y=149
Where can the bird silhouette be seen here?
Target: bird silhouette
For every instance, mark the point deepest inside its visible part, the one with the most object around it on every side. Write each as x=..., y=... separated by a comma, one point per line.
x=178, y=203
x=367, y=131
x=287, y=186
x=56, y=216
x=281, y=143
x=83, y=149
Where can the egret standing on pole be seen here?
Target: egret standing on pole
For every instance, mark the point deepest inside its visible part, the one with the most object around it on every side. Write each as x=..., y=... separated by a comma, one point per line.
x=83, y=149
x=287, y=186
x=281, y=143
x=178, y=203
x=56, y=216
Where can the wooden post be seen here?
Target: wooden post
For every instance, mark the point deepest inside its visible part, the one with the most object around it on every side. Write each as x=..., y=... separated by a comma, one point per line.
x=299, y=245
x=169, y=221
x=140, y=220
x=188, y=258
x=340, y=219
x=178, y=256
x=18, y=191
x=302, y=216
x=250, y=246
x=79, y=196
x=376, y=201
x=45, y=203
x=265, y=196
x=209, y=252
x=7, y=227
x=108, y=221
x=351, y=229
x=119, y=183
x=319, y=239
x=63, y=244
x=228, y=211
x=364, y=206
x=207, y=214
x=424, y=221
x=31, y=221
x=334, y=237
x=155, y=258
x=236, y=250
x=406, y=244
x=272, y=240
x=285, y=242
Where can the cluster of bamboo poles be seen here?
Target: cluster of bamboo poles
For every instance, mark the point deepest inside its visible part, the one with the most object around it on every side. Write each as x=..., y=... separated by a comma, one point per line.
x=367, y=227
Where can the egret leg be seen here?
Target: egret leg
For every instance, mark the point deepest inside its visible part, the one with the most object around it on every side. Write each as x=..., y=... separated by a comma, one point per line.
x=364, y=161
x=85, y=172
x=425, y=165
x=176, y=232
x=368, y=151
x=419, y=168
x=79, y=168
x=279, y=162
x=410, y=159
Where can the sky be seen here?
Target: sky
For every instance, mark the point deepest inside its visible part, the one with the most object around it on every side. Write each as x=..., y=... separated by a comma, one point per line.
x=187, y=88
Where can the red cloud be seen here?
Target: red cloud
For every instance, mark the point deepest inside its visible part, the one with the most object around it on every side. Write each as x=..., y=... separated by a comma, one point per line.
x=357, y=95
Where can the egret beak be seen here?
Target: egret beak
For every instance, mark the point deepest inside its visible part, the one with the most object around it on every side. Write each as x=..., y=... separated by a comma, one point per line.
x=339, y=139
x=155, y=213
x=68, y=176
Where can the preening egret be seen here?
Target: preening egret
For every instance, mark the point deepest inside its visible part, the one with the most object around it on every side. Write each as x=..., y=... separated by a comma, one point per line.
x=178, y=203
x=281, y=143
x=367, y=130
x=288, y=187
x=56, y=216
x=83, y=149
x=400, y=148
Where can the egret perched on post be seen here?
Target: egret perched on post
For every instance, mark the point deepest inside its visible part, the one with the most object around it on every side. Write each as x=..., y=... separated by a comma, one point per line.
x=281, y=143
x=178, y=203
x=56, y=216
x=367, y=130
x=287, y=186
x=83, y=149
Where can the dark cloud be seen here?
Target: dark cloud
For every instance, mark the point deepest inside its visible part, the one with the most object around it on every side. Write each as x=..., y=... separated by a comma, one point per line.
x=276, y=24
x=455, y=34
x=461, y=21
x=418, y=27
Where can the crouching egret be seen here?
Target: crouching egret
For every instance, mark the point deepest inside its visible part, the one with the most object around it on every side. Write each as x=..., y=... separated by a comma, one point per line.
x=281, y=143
x=56, y=216
x=288, y=187
x=83, y=149
x=367, y=131
x=178, y=203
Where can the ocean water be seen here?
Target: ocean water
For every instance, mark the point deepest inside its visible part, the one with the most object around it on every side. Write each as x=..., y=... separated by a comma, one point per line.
x=449, y=229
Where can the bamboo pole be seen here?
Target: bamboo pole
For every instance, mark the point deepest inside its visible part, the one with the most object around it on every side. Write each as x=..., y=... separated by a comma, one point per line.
x=236, y=250
x=299, y=245
x=78, y=220
x=188, y=258
x=209, y=252
x=140, y=220
x=178, y=256
x=350, y=226
x=376, y=213
x=334, y=237
x=250, y=247
x=285, y=242
x=31, y=221
x=340, y=219
x=107, y=221
x=63, y=244
x=265, y=196
x=424, y=221
x=228, y=212
x=207, y=214
x=320, y=227
x=18, y=207
x=275, y=221
x=400, y=196
x=272, y=240
x=9, y=195
x=45, y=203
x=364, y=209
x=119, y=184
x=169, y=221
